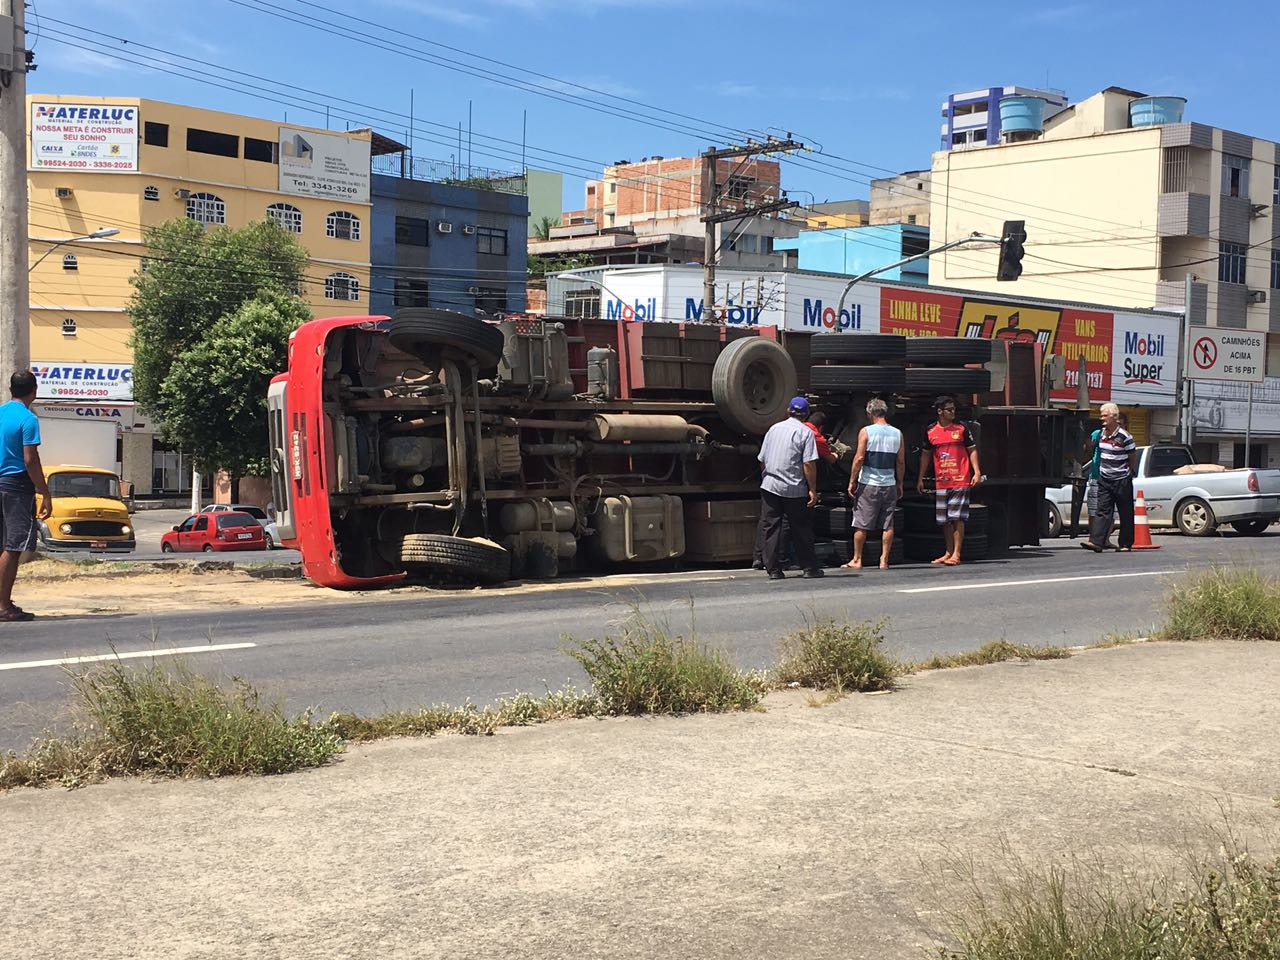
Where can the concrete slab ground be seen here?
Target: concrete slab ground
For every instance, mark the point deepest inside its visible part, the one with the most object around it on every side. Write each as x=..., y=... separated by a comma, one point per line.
x=794, y=832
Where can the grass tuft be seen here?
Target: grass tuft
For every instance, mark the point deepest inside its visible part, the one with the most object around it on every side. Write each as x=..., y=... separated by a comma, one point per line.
x=839, y=656
x=518, y=711
x=648, y=670
x=1227, y=908
x=994, y=651
x=1223, y=604
x=171, y=722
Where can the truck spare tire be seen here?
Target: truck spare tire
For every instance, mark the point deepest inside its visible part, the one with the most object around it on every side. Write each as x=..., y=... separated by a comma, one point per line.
x=857, y=379
x=857, y=346
x=455, y=559
x=948, y=380
x=752, y=383
x=943, y=350
x=422, y=331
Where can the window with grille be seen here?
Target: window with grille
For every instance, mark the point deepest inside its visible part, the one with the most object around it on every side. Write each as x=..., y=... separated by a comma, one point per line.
x=341, y=286
x=287, y=216
x=69, y=262
x=491, y=240
x=411, y=293
x=150, y=193
x=1235, y=176
x=582, y=303
x=739, y=187
x=1275, y=269
x=69, y=326
x=1231, y=262
x=1177, y=170
x=342, y=225
x=206, y=208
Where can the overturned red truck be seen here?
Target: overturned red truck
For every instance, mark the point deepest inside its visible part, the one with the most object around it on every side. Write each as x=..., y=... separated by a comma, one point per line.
x=440, y=446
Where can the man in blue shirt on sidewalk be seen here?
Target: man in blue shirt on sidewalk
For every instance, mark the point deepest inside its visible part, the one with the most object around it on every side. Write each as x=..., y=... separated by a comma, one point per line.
x=21, y=478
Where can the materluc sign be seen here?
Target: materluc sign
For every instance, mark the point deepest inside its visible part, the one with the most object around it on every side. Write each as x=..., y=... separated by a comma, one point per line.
x=323, y=165
x=1237, y=356
x=102, y=138
x=81, y=381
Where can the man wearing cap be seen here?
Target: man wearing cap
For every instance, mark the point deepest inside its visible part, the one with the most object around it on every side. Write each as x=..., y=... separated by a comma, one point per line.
x=789, y=488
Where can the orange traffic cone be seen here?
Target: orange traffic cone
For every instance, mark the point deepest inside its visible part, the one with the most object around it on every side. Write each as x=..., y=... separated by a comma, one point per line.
x=1141, y=530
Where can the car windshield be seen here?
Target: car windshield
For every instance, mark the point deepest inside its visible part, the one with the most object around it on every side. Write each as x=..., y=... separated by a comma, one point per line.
x=236, y=520
x=84, y=485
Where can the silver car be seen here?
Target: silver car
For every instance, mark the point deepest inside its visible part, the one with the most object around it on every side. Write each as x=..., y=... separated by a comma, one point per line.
x=268, y=525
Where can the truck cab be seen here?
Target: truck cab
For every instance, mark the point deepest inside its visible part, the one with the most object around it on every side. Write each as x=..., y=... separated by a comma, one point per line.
x=88, y=512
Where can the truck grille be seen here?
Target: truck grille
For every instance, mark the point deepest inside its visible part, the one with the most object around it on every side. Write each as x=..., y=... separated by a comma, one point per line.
x=87, y=529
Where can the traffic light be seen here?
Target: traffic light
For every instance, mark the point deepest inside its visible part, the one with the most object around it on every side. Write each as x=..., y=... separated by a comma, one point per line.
x=1012, y=238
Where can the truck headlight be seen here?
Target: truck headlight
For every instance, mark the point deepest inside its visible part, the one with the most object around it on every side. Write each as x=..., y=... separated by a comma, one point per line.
x=65, y=528
x=125, y=529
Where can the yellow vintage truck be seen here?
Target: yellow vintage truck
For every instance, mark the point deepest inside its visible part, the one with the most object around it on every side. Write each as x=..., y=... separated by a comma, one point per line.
x=88, y=512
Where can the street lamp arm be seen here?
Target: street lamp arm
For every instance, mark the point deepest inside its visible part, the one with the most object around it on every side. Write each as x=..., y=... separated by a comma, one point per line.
x=96, y=235
x=963, y=241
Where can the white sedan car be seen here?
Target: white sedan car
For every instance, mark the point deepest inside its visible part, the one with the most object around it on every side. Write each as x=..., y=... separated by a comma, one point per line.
x=268, y=525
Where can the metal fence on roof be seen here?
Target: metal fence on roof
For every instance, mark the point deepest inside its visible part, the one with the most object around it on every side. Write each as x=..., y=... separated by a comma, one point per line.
x=450, y=172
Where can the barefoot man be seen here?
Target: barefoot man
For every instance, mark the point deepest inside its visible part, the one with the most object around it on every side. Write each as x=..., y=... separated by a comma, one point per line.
x=875, y=482
x=955, y=471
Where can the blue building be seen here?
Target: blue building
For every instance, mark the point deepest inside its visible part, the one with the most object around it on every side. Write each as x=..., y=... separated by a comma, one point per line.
x=972, y=119
x=855, y=250
x=448, y=245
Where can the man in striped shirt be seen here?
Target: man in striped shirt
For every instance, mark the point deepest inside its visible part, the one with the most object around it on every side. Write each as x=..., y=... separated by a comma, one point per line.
x=1117, y=459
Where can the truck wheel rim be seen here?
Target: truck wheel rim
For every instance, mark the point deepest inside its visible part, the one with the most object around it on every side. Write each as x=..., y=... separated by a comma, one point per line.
x=759, y=386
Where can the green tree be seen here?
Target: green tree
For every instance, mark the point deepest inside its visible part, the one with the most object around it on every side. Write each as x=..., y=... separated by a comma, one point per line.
x=212, y=311
x=542, y=229
x=215, y=396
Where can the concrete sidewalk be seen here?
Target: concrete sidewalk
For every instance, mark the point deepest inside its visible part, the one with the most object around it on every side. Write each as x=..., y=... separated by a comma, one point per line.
x=795, y=832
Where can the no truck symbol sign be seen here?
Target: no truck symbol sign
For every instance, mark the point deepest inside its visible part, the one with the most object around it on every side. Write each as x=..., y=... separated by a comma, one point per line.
x=1205, y=353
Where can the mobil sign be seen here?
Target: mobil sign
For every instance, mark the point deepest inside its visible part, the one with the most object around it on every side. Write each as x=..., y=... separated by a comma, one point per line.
x=814, y=305
x=676, y=296
x=1145, y=359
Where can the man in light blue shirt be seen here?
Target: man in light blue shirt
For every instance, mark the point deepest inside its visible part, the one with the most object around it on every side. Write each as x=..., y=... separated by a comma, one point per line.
x=21, y=478
x=789, y=488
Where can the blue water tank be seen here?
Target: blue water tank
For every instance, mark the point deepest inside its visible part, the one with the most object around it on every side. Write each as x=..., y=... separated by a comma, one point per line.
x=1021, y=114
x=1153, y=111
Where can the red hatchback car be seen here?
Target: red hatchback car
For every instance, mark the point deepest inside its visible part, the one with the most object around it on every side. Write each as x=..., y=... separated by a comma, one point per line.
x=215, y=531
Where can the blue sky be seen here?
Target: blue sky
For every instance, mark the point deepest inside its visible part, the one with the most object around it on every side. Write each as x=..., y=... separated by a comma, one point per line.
x=862, y=82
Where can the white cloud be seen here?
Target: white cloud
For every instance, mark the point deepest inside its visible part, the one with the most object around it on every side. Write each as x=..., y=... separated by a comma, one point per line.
x=436, y=11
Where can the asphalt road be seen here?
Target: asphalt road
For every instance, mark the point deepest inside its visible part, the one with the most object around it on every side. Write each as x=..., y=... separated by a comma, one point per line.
x=408, y=648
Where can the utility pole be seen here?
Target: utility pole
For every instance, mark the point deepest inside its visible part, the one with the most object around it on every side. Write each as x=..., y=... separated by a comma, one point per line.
x=15, y=332
x=712, y=215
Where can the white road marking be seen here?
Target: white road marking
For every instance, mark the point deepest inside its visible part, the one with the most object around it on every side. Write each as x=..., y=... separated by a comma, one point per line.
x=1030, y=583
x=164, y=652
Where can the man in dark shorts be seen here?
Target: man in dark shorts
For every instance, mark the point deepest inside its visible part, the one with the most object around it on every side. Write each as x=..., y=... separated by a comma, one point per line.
x=875, y=482
x=21, y=478
x=954, y=452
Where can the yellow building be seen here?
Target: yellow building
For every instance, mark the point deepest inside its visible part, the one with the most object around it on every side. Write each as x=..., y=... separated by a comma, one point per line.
x=111, y=166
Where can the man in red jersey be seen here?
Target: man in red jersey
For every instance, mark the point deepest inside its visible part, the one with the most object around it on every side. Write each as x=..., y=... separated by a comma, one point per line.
x=956, y=472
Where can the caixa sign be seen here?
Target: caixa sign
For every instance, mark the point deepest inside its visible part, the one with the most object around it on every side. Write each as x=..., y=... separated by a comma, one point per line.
x=1144, y=357
x=816, y=314
x=70, y=381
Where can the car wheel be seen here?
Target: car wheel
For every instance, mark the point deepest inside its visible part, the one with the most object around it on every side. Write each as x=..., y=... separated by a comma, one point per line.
x=1195, y=517
x=271, y=544
x=752, y=382
x=166, y=548
x=207, y=548
x=1252, y=528
x=1053, y=528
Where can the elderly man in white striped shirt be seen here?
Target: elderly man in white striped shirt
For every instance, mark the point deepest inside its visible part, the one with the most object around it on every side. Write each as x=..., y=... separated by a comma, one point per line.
x=1117, y=460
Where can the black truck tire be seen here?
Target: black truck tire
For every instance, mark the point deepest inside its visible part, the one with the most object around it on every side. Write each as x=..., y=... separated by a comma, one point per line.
x=857, y=347
x=420, y=331
x=928, y=547
x=857, y=379
x=752, y=383
x=921, y=518
x=455, y=558
x=945, y=350
x=947, y=380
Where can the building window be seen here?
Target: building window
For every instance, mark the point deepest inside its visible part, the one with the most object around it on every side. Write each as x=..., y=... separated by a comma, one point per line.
x=980, y=135
x=411, y=293
x=613, y=187
x=911, y=218
x=1231, y=262
x=69, y=326
x=69, y=262
x=206, y=208
x=957, y=139
x=413, y=231
x=1275, y=269
x=491, y=240
x=739, y=187
x=341, y=286
x=582, y=304
x=155, y=134
x=1275, y=188
x=491, y=300
x=342, y=225
x=1235, y=176
x=287, y=216
x=209, y=141
x=150, y=193
x=264, y=151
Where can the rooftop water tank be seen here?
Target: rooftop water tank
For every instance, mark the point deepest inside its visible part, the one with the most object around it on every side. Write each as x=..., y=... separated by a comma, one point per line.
x=1153, y=111
x=1021, y=118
